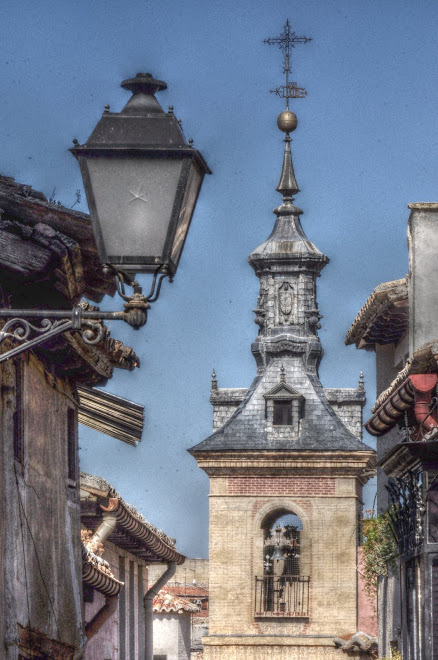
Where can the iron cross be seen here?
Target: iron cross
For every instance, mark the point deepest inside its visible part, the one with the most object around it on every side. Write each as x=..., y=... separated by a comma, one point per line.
x=285, y=41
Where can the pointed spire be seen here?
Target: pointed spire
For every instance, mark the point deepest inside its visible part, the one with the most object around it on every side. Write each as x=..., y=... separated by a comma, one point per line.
x=213, y=381
x=287, y=185
x=361, y=382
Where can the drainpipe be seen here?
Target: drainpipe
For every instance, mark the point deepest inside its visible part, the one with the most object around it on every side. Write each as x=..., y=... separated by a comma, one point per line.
x=106, y=527
x=108, y=524
x=101, y=616
x=148, y=609
x=424, y=385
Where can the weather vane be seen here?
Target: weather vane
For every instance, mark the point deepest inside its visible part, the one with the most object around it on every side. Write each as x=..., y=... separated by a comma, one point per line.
x=285, y=42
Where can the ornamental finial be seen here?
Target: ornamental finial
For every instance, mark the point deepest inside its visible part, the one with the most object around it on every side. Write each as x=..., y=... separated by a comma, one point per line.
x=282, y=374
x=361, y=382
x=285, y=41
x=213, y=381
x=287, y=185
x=287, y=120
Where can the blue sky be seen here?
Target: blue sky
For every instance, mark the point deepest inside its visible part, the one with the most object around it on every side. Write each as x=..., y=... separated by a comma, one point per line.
x=365, y=147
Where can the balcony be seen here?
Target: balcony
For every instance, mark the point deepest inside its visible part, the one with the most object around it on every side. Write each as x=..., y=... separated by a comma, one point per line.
x=285, y=596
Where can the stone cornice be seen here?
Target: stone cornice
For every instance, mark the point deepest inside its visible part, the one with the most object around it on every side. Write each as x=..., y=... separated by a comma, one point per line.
x=347, y=464
x=268, y=640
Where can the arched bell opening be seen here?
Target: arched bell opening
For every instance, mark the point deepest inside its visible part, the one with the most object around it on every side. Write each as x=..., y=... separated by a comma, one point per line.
x=283, y=589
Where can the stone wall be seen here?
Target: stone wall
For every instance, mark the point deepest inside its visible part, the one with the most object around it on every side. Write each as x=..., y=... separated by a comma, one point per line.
x=348, y=405
x=224, y=402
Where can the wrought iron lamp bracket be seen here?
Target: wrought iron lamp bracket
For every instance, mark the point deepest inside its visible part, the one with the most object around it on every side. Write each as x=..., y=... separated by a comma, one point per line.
x=47, y=324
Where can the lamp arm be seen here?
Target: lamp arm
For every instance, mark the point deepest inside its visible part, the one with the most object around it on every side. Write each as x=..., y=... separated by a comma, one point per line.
x=19, y=329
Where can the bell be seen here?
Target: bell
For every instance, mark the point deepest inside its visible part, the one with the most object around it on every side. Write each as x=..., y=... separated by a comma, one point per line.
x=278, y=553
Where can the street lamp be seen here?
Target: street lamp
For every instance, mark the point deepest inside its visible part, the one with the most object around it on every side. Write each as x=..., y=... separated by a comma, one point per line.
x=142, y=182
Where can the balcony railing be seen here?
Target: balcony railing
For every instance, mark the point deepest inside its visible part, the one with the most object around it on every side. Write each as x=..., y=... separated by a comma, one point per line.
x=282, y=596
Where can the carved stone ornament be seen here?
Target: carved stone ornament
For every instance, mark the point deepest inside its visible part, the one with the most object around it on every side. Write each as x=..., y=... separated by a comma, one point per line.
x=260, y=311
x=285, y=300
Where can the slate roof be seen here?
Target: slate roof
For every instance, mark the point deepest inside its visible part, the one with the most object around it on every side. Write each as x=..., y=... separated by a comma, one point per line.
x=321, y=428
x=286, y=242
x=287, y=349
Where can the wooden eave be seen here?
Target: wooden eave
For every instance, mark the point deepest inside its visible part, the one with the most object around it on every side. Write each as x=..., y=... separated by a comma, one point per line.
x=384, y=317
x=84, y=364
x=424, y=360
x=30, y=207
x=111, y=414
x=132, y=534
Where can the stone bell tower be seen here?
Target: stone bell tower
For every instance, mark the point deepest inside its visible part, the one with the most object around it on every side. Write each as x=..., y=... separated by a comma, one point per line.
x=286, y=466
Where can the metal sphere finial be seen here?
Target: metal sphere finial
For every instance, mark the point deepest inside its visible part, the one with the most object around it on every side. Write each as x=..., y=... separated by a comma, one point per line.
x=287, y=121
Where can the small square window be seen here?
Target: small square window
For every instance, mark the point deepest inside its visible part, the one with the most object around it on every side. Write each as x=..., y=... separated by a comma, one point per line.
x=282, y=413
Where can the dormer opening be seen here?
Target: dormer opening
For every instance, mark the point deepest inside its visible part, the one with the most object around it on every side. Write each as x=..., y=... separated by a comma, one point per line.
x=284, y=407
x=282, y=412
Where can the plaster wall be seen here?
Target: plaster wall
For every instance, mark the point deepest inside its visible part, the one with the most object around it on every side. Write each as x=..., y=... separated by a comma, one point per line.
x=328, y=508
x=108, y=638
x=389, y=597
x=43, y=516
x=172, y=635
x=423, y=271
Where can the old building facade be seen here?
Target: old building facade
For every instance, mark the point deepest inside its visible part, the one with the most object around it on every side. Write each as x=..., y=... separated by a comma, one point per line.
x=119, y=622
x=398, y=322
x=286, y=466
x=48, y=260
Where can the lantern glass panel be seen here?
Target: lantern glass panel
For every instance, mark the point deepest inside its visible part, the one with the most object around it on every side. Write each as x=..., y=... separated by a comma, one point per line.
x=134, y=199
x=190, y=196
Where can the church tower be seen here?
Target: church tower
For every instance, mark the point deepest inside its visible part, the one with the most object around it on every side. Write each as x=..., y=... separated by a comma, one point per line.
x=286, y=463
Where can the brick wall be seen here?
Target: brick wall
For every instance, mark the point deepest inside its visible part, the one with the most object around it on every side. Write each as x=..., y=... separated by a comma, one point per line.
x=328, y=554
x=281, y=486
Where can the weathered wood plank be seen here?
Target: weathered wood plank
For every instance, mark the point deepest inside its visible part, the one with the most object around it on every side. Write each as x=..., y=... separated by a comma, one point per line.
x=23, y=257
